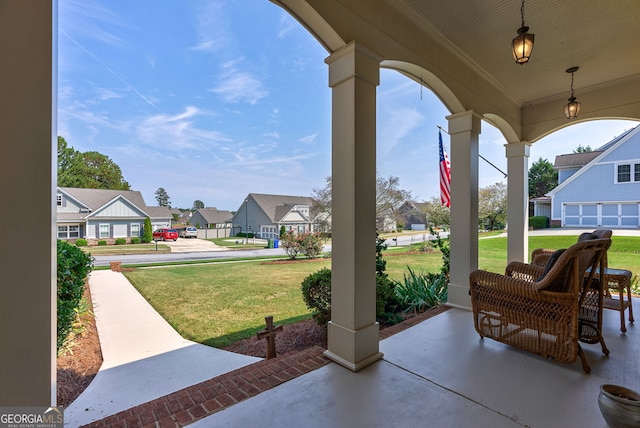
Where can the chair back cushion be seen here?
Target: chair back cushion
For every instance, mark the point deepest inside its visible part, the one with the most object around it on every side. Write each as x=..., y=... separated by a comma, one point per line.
x=559, y=273
x=560, y=282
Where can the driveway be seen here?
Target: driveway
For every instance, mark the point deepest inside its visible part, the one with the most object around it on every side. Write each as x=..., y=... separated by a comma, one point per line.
x=192, y=245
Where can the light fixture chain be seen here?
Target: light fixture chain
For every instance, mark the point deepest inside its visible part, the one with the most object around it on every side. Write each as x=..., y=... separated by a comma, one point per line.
x=522, y=12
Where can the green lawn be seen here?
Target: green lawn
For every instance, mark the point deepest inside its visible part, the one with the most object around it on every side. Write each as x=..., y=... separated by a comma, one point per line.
x=217, y=304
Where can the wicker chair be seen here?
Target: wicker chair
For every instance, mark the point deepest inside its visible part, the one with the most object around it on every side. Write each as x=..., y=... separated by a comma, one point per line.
x=538, y=309
x=540, y=256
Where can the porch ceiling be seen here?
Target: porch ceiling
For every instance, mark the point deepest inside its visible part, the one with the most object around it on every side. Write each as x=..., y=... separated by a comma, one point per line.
x=465, y=44
x=599, y=36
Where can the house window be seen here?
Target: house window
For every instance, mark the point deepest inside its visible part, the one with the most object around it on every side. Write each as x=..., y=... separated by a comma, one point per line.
x=135, y=229
x=104, y=231
x=69, y=232
x=624, y=173
x=628, y=173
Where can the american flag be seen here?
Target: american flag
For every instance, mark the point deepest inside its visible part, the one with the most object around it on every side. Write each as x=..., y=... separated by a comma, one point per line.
x=445, y=175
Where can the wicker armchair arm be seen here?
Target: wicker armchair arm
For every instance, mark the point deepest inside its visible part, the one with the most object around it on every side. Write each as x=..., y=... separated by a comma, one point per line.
x=506, y=284
x=540, y=256
x=524, y=271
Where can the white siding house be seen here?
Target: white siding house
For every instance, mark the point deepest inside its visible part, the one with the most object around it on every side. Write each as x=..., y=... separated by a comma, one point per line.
x=105, y=214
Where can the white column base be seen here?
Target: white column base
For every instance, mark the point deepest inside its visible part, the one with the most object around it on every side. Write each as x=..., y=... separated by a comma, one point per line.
x=458, y=296
x=353, y=349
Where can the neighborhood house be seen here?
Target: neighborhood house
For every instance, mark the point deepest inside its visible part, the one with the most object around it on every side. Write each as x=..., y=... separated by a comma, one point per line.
x=265, y=215
x=101, y=214
x=614, y=202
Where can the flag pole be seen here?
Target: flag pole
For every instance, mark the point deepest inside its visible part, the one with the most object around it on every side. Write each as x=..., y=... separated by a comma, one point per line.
x=481, y=157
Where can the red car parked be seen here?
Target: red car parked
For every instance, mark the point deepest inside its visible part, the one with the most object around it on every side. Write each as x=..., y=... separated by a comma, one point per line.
x=165, y=234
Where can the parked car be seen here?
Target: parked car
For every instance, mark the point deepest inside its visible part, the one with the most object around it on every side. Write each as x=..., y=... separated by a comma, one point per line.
x=189, y=232
x=164, y=234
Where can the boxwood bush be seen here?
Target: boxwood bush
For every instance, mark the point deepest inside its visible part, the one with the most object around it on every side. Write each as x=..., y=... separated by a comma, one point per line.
x=102, y=243
x=73, y=267
x=121, y=241
x=539, y=222
x=81, y=242
x=135, y=240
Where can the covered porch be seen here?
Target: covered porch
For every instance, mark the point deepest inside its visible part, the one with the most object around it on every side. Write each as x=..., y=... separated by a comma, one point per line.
x=460, y=50
x=440, y=373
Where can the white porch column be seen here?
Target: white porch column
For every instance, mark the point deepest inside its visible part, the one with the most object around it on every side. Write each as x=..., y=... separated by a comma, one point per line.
x=27, y=177
x=353, y=330
x=518, y=201
x=464, y=129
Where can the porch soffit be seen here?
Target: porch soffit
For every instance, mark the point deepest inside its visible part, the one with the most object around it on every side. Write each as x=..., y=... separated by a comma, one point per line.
x=465, y=44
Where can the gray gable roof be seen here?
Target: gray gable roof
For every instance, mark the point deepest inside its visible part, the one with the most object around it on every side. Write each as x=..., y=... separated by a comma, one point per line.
x=96, y=198
x=215, y=216
x=158, y=212
x=277, y=206
x=577, y=160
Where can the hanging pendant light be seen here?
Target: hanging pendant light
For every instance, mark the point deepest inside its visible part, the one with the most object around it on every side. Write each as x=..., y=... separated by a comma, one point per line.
x=522, y=44
x=572, y=109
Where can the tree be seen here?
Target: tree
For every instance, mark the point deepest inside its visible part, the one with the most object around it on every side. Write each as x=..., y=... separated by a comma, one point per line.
x=197, y=204
x=436, y=214
x=492, y=206
x=162, y=197
x=542, y=178
x=147, y=232
x=88, y=170
x=581, y=149
x=321, y=198
x=389, y=197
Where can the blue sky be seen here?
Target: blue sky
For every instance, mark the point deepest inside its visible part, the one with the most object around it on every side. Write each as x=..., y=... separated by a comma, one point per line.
x=212, y=100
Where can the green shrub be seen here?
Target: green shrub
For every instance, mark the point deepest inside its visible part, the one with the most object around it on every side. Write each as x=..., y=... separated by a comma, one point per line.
x=635, y=284
x=147, y=231
x=81, y=242
x=292, y=247
x=422, y=290
x=73, y=266
x=135, y=240
x=387, y=302
x=445, y=248
x=102, y=243
x=121, y=241
x=283, y=230
x=316, y=292
x=539, y=222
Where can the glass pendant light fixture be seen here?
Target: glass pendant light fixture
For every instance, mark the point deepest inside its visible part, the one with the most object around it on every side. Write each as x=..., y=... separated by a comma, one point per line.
x=572, y=108
x=522, y=44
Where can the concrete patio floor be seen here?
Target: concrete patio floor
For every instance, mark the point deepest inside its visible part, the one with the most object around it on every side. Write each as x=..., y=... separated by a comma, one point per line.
x=437, y=373
x=441, y=374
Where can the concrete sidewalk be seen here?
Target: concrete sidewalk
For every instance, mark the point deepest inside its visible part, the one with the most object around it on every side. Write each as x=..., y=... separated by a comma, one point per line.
x=144, y=357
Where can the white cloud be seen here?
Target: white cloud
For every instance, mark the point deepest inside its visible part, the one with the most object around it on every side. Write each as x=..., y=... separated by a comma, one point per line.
x=308, y=139
x=396, y=125
x=176, y=133
x=238, y=86
x=272, y=134
x=212, y=27
x=286, y=25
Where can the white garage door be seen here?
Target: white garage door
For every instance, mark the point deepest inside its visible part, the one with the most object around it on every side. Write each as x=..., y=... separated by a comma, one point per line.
x=593, y=214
